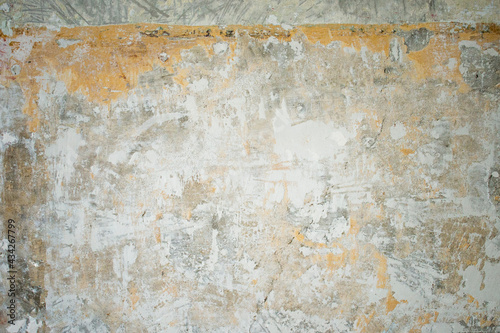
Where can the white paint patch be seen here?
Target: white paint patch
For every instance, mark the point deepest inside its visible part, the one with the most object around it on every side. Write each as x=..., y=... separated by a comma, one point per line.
x=156, y=121
x=398, y=130
x=5, y=27
x=349, y=50
x=5, y=7
x=64, y=43
x=482, y=285
x=364, y=55
x=8, y=139
x=469, y=43
x=28, y=325
x=272, y=19
x=298, y=49
x=311, y=140
x=199, y=85
x=452, y=63
x=237, y=103
x=462, y=130
x=491, y=52
x=306, y=251
x=299, y=184
x=46, y=96
x=129, y=257
x=25, y=47
x=17, y=327
x=220, y=48
x=15, y=70
x=33, y=325
x=214, y=254
x=123, y=262
x=110, y=230
x=190, y=105
x=395, y=50
x=275, y=193
x=262, y=109
x=492, y=248
x=339, y=138
x=117, y=157
x=163, y=57
x=65, y=151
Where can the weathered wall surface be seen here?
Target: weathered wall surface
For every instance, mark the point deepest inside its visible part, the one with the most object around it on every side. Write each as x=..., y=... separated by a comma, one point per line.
x=57, y=13
x=319, y=178
x=252, y=179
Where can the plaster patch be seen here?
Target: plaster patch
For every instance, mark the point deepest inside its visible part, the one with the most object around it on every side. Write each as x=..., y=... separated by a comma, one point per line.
x=199, y=85
x=398, y=130
x=220, y=48
x=64, y=43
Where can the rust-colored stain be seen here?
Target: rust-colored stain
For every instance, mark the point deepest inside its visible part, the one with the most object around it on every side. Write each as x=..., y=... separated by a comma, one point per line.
x=391, y=302
x=407, y=151
x=381, y=271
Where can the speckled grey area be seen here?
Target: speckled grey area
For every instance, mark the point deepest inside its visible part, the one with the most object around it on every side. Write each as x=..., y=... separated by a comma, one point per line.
x=57, y=13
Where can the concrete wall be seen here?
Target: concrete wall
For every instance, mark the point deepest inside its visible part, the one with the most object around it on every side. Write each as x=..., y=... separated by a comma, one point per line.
x=58, y=13
x=250, y=178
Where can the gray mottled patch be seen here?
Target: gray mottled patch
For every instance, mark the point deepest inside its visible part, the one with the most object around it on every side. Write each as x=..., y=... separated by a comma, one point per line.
x=480, y=69
x=200, y=12
x=494, y=186
x=155, y=80
x=416, y=39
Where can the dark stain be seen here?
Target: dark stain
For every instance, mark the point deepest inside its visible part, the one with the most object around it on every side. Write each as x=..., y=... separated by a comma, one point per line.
x=475, y=324
x=155, y=33
x=23, y=191
x=18, y=173
x=389, y=70
x=183, y=119
x=28, y=293
x=494, y=187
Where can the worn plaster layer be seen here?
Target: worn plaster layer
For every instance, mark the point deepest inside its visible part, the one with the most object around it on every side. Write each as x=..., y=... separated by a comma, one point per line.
x=334, y=178
x=59, y=13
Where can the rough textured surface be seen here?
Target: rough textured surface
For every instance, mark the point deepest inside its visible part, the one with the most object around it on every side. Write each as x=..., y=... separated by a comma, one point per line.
x=57, y=13
x=252, y=179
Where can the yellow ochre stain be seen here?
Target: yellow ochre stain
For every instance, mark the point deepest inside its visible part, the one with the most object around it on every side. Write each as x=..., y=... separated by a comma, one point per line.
x=105, y=62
